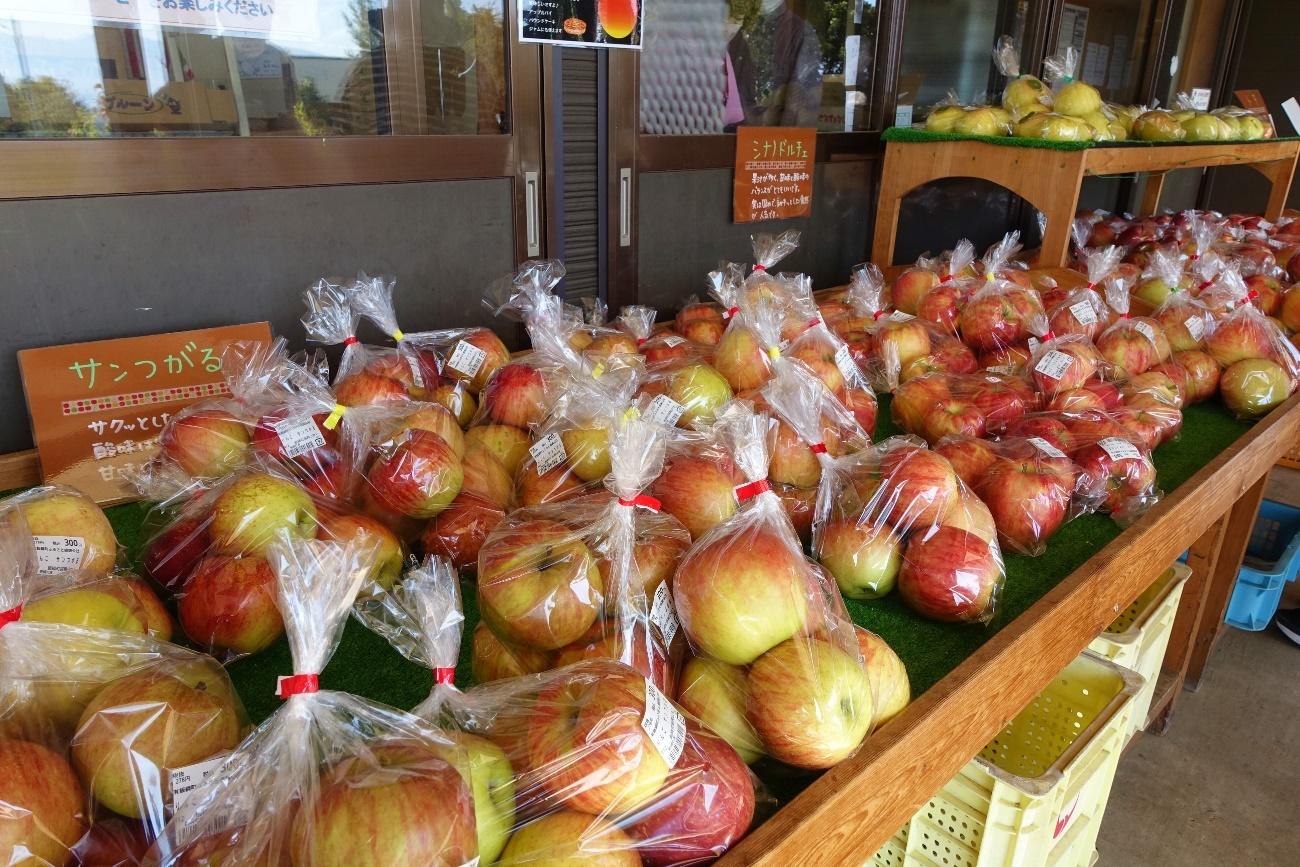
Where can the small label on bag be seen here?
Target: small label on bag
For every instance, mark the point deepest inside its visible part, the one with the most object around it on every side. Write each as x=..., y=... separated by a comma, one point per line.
x=1145, y=329
x=1195, y=326
x=664, y=724
x=1119, y=449
x=1034, y=343
x=298, y=435
x=190, y=781
x=548, y=453
x=662, y=613
x=844, y=361
x=1046, y=448
x=413, y=363
x=56, y=554
x=672, y=340
x=1054, y=364
x=900, y=316
x=467, y=358
x=1084, y=313
x=663, y=410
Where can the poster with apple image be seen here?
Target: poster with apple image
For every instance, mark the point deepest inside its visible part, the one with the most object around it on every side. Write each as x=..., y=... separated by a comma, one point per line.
x=582, y=23
x=312, y=782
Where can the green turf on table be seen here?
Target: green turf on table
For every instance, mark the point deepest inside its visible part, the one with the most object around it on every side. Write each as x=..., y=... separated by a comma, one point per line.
x=366, y=665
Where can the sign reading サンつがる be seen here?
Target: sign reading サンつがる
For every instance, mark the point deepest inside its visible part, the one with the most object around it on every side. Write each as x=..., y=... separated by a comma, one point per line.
x=774, y=173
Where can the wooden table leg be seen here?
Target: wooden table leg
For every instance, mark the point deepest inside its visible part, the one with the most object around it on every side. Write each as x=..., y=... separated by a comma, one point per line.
x=1151, y=195
x=889, y=202
x=1280, y=174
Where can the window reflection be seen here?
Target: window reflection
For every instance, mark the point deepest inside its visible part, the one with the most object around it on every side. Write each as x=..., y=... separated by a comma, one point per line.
x=948, y=45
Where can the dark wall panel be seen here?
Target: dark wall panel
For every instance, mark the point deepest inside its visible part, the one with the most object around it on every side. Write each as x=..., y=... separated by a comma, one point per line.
x=87, y=269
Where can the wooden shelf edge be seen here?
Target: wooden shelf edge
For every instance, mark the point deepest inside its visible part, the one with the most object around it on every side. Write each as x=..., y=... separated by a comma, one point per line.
x=19, y=470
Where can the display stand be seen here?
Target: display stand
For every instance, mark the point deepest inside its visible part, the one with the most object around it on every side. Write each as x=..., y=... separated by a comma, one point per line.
x=1049, y=179
x=855, y=807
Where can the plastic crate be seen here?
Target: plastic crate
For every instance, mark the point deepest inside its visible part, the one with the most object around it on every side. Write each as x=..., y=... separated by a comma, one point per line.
x=893, y=853
x=1271, y=561
x=1139, y=636
x=1036, y=794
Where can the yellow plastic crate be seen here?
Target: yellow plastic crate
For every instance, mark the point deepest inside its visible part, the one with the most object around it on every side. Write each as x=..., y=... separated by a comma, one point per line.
x=1036, y=794
x=1138, y=638
x=893, y=853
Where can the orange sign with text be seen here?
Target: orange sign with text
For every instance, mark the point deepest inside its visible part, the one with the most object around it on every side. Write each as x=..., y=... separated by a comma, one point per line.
x=774, y=173
x=97, y=408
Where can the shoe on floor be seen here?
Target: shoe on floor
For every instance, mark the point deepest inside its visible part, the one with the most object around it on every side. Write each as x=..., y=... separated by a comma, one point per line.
x=1289, y=622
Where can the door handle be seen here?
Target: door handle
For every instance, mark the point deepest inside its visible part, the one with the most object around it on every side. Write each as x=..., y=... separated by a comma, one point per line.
x=625, y=207
x=531, y=220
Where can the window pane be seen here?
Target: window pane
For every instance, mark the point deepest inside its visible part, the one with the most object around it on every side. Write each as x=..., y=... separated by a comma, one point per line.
x=1111, y=36
x=948, y=46
x=709, y=66
x=121, y=68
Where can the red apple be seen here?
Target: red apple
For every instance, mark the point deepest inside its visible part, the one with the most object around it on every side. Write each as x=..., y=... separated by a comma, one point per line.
x=490, y=659
x=741, y=358
x=1202, y=374
x=915, y=398
x=970, y=457
x=387, y=558
x=44, y=807
x=419, y=478
x=1029, y=499
x=940, y=305
x=266, y=439
x=558, y=483
x=1290, y=312
x=486, y=478
x=1075, y=400
x=172, y=554
x=495, y=357
x=800, y=505
x=952, y=418
x=862, y=403
x=698, y=312
x=704, y=332
x=431, y=417
x=205, y=442
x=918, y=487
x=698, y=491
x=950, y=575
x=910, y=287
x=995, y=319
x=367, y=389
x=1156, y=384
x=1239, y=337
x=1107, y=391
x=1268, y=293
x=1127, y=349
x=889, y=682
x=516, y=396
x=458, y=531
x=1115, y=472
x=229, y=604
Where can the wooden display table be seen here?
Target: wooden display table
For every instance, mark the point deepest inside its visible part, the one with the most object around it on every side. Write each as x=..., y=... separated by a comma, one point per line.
x=1049, y=179
x=854, y=808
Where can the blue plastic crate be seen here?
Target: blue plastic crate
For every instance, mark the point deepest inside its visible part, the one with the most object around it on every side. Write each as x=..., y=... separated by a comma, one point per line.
x=1272, y=559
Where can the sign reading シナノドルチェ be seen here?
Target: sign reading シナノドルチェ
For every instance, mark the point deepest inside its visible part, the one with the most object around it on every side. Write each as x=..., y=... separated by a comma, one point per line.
x=590, y=23
x=98, y=408
x=774, y=173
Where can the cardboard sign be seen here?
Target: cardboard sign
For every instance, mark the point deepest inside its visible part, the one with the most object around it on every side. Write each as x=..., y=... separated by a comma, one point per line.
x=582, y=23
x=1252, y=100
x=774, y=173
x=97, y=408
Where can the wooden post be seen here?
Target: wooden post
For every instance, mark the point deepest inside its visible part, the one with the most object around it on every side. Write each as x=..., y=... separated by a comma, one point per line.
x=1151, y=195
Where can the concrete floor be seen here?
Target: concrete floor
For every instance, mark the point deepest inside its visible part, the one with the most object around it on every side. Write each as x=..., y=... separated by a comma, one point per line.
x=1222, y=787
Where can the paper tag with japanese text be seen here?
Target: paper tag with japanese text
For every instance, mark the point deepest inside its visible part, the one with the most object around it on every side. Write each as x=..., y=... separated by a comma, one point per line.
x=1054, y=364
x=1033, y=345
x=1119, y=449
x=664, y=410
x=672, y=340
x=548, y=453
x=57, y=554
x=844, y=361
x=417, y=378
x=190, y=781
x=1084, y=313
x=900, y=316
x=1046, y=448
x=664, y=724
x=662, y=613
x=1195, y=326
x=1145, y=329
x=467, y=358
x=298, y=435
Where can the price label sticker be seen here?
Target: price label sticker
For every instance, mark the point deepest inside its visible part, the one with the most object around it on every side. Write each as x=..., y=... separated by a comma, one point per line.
x=1119, y=449
x=56, y=554
x=298, y=435
x=1046, y=448
x=1195, y=326
x=548, y=453
x=1034, y=343
x=664, y=724
x=900, y=316
x=189, y=782
x=662, y=613
x=903, y=115
x=844, y=361
x=673, y=340
x=1002, y=369
x=413, y=364
x=1084, y=313
x=467, y=358
x=1053, y=364
x=1145, y=329
x=664, y=410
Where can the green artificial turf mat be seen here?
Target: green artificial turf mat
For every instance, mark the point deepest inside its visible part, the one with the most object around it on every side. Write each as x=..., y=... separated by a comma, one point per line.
x=920, y=134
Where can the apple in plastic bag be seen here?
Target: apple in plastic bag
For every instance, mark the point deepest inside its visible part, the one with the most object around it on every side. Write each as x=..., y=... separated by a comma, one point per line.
x=434, y=418
x=508, y=444
x=388, y=558
x=557, y=483
x=44, y=807
x=484, y=477
x=1202, y=374
x=889, y=681
x=369, y=389
x=918, y=487
x=700, y=390
x=568, y=839
x=698, y=491
x=516, y=396
x=910, y=287
x=491, y=779
x=69, y=514
x=229, y=605
x=172, y=554
x=254, y=509
x=458, y=531
x=587, y=450
x=968, y=456
x=1238, y=338
x=1114, y=482
x=1253, y=387
x=491, y=660
x=717, y=694
x=206, y=442
x=1029, y=499
x=863, y=558
x=496, y=356
x=419, y=478
x=949, y=575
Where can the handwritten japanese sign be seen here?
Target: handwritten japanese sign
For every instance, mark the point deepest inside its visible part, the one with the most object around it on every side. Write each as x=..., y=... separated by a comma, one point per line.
x=774, y=173
x=97, y=408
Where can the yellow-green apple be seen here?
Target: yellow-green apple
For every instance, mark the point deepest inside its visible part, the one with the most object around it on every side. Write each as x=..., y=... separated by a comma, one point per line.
x=700, y=390
x=810, y=702
x=862, y=403
x=1029, y=498
x=711, y=808
x=558, y=483
x=1127, y=349
x=1114, y=480
x=586, y=744
x=608, y=345
x=495, y=356
x=516, y=396
x=206, y=442
x=1290, y=312
x=458, y=531
x=432, y=417
x=740, y=595
x=491, y=779
x=910, y=287
x=741, y=358
x=944, y=118
x=717, y=694
x=44, y=807
x=157, y=621
x=387, y=557
x=1024, y=94
x=103, y=604
x=1268, y=293
x=507, y=444
x=69, y=514
x=863, y=558
x=587, y=451
x=1158, y=126
x=249, y=514
x=890, y=685
x=1255, y=386
x=898, y=344
x=456, y=397
x=368, y=389
x=800, y=505
x=1155, y=383
x=397, y=804
x=969, y=513
x=170, y=556
x=142, y=724
x=969, y=457
x=484, y=477
x=952, y=417
x=918, y=488
x=950, y=575
x=580, y=339
x=419, y=478
x=1237, y=338
x=1178, y=375
x=229, y=605
x=1202, y=374
x=491, y=660
x=570, y=839
x=538, y=584
x=698, y=491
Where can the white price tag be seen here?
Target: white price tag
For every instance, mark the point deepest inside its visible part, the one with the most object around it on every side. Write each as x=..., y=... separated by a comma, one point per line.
x=1046, y=448
x=413, y=363
x=1002, y=369
x=55, y=554
x=298, y=435
x=1145, y=329
x=1195, y=326
x=903, y=115
x=1119, y=449
x=1201, y=98
x=1084, y=313
x=844, y=361
x=548, y=453
x=672, y=340
x=662, y=613
x=1053, y=364
x=189, y=781
x=1033, y=345
x=664, y=724
x=466, y=358
x=664, y=410
x=900, y=316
